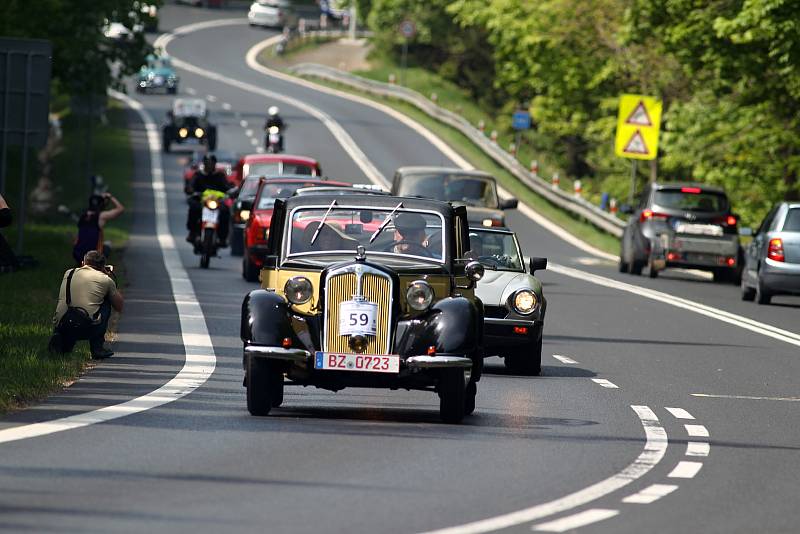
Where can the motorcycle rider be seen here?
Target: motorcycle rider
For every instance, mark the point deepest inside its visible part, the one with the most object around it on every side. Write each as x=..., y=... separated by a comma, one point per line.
x=274, y=119
x=207, y=177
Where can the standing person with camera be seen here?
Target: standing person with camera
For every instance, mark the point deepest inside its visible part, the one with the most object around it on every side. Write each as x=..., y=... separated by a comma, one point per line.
x=7, y=259
x=87, y=295
x=91, y=224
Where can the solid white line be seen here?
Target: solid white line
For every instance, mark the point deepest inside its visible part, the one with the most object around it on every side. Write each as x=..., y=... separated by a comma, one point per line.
x=697, y=448
x=680, y=413
x=685, y=469
x=226, y=106
x=696, y=431
x=605, y=383
x=746, y=397
x=686, y=304
x=564, y=359
x=650, y=494
x=200, y=358
x=578, y=520
x=654, y=449
x=243, y=123
x=211, y=98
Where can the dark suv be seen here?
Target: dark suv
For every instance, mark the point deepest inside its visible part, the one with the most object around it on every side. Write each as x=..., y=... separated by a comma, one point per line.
x=682, y=225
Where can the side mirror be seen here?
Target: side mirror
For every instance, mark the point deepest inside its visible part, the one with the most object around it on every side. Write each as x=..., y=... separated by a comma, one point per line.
x=627, y=209
x=746, y=232
x=474, y=270
x=538, y=264
x=509, y=204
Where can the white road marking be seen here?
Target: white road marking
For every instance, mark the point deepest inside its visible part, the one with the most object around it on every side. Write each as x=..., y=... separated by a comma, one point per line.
x=191, y=91
x=243, y=123
x=248, y=132
x=696, y=431
x=226, y=106
x=746, y=397
x=260, y=149
x=211, y=98
x=253, y=141
x=650, y=494
x=686, y=469
x=605, y=383
x=564, y=359
x=578, y=520
x=697, y=448
x=654, y=449
x=686, y=304
x=200, y=357
x=593, y=261
x=680, y=413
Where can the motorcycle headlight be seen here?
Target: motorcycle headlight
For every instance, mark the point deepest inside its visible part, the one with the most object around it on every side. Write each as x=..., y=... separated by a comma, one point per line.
x=274, y=129
x=419, y=295
x=298, y=289
x=183, y=132
x=244, y=214
x=524, y=301
x=212, y=204
x=198, y=132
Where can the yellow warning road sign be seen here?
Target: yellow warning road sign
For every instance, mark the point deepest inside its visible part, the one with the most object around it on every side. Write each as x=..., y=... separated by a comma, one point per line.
x=638, y=124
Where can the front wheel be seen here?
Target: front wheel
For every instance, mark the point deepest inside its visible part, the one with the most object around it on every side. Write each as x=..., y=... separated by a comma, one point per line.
x=264, y=384
x=208, y=248
x=165, y=144
x=452, y=396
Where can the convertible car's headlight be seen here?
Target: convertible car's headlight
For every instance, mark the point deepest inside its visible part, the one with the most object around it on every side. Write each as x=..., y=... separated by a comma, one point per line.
x=198, y=132
x=524, y=301
x=419, y=295
x=298, y=289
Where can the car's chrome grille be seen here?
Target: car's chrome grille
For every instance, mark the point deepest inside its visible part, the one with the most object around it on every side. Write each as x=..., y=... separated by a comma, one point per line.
x=375, y=288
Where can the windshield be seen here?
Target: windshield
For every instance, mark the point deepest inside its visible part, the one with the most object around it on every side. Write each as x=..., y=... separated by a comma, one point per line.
x=274, y=190
x=701, y=202
x=408, y=233
x=469, y=190
x=495, y=250
x=249, y=187
x=277, y=168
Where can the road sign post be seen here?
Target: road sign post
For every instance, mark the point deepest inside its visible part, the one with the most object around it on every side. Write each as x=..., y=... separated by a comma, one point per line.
x=408, y=30
x=520, y=120
x=638, y=125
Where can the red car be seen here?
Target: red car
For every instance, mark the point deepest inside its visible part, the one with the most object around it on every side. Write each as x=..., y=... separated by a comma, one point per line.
x=273, y=165
x=256, y=229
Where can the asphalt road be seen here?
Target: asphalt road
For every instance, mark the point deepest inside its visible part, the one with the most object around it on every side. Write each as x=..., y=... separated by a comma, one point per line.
x=589, y=442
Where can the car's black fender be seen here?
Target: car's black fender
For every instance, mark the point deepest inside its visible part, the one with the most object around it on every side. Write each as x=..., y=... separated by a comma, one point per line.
x=265, y=319
x=453, y=325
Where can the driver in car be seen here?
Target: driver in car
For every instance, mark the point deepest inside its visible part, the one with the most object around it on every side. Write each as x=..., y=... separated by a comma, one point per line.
x=409, y=233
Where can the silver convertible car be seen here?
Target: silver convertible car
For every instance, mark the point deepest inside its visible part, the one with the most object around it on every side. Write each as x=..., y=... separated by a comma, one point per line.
x=514, y=305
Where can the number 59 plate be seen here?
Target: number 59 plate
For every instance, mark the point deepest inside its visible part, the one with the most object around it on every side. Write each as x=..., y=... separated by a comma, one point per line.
x=357, y=318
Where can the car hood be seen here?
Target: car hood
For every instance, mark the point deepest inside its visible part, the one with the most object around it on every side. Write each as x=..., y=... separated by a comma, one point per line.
x=166, y=73
x=477, y=214
x=496, y=286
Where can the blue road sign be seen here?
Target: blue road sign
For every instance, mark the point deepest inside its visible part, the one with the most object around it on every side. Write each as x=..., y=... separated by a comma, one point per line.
x=521, y=120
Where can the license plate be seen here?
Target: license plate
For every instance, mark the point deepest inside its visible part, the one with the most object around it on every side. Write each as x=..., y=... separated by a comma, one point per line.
x=358, y=318
x=698, y=229
x=367, y=363
x=274, y=138
x=210, y=216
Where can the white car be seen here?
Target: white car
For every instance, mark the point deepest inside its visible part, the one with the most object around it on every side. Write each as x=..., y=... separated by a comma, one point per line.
x=272, y=13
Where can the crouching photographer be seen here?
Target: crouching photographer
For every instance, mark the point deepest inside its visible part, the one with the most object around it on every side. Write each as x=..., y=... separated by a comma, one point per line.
x=87, y=295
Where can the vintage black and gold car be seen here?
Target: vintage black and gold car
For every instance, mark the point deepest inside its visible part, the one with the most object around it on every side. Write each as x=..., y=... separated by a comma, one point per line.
x=365, y=291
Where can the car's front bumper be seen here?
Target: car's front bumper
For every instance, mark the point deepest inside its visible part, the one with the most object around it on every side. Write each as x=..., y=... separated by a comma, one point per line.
x=506, y=333
x=304, y=357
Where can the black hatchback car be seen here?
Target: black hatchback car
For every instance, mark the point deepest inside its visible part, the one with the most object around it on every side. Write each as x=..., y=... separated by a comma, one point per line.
x=682, y=225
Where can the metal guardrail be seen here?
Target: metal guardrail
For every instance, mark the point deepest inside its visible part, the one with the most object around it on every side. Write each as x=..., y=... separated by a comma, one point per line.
x=578, y=206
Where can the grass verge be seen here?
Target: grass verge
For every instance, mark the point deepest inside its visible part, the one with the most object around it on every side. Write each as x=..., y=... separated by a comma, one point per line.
x=28, y=297
x=469, y=151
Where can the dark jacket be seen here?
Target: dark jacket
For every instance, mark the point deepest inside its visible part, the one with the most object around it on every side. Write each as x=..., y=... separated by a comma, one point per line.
x=216, y=181
x=5, y=217
x=274, y=120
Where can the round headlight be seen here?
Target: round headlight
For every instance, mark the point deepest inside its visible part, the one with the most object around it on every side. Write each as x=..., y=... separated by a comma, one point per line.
x=298, y=289
x=183, y=132
x=524, y=301
x=419, y=295
x=198, y=132
x=212, y=204
x=244, y=214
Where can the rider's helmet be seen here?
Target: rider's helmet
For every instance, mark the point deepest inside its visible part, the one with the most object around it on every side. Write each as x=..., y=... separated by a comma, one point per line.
x=273, y=110
x=209, y=162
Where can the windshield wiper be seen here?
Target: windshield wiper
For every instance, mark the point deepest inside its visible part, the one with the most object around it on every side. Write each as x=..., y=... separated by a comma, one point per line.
x=385, y=223
x=324, y=218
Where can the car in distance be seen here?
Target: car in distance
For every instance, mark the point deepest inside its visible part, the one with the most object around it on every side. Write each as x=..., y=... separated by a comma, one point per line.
x=684, y=225
x=187, y=123
x=272, y=14
x=772, y=259
x=259, y=217
x=157, y=74
x=514, y=306
x=476, y=190
x=365, y=291
x=275, y=165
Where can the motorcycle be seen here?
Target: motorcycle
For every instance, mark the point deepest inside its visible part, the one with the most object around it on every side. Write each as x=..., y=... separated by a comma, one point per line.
x=206, y=242
x=274, y=140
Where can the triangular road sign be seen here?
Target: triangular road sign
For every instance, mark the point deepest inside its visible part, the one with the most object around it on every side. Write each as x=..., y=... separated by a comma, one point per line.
x=639, y=116
x=636, y=145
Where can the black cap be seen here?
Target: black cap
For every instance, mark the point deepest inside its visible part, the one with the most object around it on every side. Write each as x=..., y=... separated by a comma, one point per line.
x=409, y=222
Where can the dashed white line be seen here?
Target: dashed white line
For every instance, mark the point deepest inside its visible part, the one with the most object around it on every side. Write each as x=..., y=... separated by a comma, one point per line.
x=686, y=469
x=578, y=520
x=243, y=123
x=680, y=413
x=253, y=141
x=248, y=133
x=697, y=448
x=605, y=383
x=226, y=106
x=564, y=359
x=191, y=91
x=260, y=149
x=696, y=431
x=650, y=494
x=211, y=98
